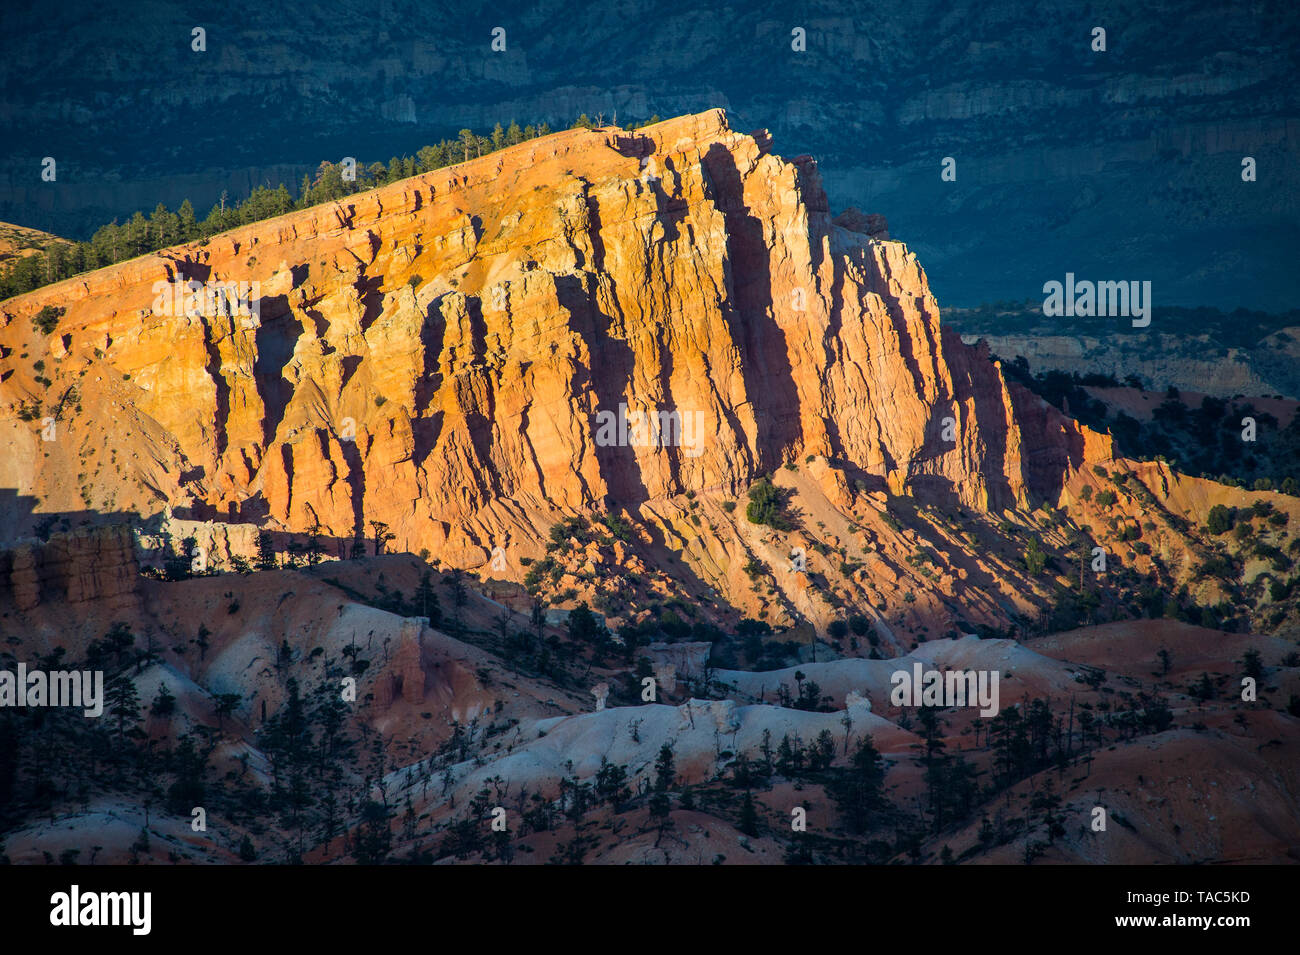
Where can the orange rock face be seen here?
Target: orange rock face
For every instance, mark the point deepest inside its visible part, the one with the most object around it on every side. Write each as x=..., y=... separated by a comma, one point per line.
x=595, y=320
x=90, y=564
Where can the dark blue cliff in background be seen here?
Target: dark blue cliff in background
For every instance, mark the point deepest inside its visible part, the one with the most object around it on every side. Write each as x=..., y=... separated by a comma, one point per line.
x=1119, y=165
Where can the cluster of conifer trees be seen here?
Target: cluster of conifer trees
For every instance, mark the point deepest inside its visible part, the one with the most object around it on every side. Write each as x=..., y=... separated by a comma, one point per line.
x=142, y=234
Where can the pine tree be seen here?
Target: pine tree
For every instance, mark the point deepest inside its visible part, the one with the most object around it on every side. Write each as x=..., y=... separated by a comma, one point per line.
x=748, y=816
x=582, y=625
x=187, y=224
x=265, y=552
x=661, y=808
x=226, y=703
x=124, y=702
x=374, y=839
x=665, y=771
x=328, y=183
x=1035, y=559
x=785, y=756
x=426, y=600
x=611, y=784
x=1203, y=689
x=164, y=227
x=467, y=141
x=1252, y=664
x=382, y=536
x=164, y=704
x=765, y=748
x=859, y=793
x=822, y=752
x=138, y=234
x=214, y=223
x=281, y=201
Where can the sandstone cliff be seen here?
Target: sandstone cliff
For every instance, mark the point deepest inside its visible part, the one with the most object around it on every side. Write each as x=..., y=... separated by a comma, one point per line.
x=446, y=355
x=88, y=565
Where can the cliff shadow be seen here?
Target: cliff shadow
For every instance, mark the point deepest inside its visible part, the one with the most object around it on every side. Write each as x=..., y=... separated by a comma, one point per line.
x=221, y=412
x=669, y=560
x=21, y=518
x=433, y=331
x=275, y=344
x=480, y=423
x=38, y=535
x=371, y=297
x=768, y=376
x=634, y=145
x=612, y=363
x=356, y=484
x=426, y=428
